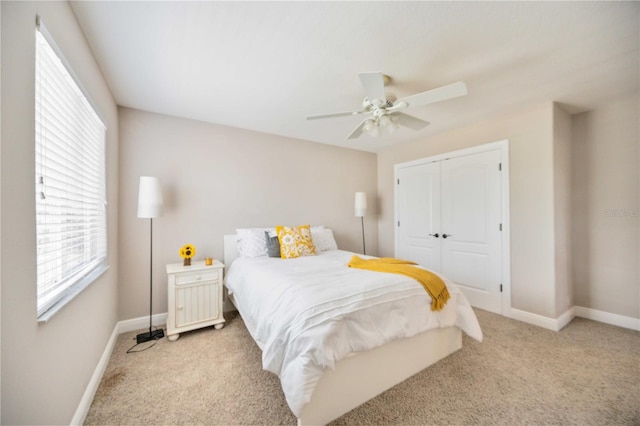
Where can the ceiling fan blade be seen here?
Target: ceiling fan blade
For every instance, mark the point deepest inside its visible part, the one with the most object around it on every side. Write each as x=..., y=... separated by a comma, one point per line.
x=357, y=131
x=414, y=123
x=373, y=83
x=334, y=114
x=435, y=95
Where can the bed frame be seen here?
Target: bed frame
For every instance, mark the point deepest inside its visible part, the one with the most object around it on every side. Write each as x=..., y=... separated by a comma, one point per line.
x=364, y=375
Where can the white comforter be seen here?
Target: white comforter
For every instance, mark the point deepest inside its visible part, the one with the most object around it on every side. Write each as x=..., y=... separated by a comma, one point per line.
x=307, y=313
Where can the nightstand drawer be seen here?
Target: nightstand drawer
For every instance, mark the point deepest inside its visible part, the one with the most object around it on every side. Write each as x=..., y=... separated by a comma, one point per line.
x=196, y=277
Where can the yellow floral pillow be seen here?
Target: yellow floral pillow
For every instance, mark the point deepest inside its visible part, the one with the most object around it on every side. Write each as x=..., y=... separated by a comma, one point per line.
x=295, y=242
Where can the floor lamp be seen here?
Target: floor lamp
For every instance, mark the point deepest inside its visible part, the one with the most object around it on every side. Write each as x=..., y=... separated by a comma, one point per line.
x=361, y=212
x=149, y=207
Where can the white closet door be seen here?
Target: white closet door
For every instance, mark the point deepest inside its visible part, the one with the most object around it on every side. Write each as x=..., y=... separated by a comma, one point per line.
x=470, y=232
x=418, y=214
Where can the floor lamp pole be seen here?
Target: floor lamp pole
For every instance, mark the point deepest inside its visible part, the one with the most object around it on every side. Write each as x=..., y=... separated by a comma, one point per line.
x=151, y=334
x=150, y=273
x=364, y=249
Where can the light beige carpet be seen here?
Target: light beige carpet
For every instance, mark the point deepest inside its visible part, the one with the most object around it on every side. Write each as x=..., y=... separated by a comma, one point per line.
x=586, y=374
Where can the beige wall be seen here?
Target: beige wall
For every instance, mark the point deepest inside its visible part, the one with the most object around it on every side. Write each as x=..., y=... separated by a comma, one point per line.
x=46, y=368
x=530, y=136
x=605, y=203
x=562, y=209
x=0, y=222
x=216, y=179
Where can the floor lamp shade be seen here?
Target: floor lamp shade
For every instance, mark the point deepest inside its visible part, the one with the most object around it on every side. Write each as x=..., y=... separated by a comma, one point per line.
x=361, y=204
x=360, y=208
x=149, y=197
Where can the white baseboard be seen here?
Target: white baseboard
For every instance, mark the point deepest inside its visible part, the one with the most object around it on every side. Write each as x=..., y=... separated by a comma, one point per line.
x=87, y=398
x=141, y=323
x=577, y=311
x=565, y=318
x=120, y=327
x=608, y=318
x=542, y=321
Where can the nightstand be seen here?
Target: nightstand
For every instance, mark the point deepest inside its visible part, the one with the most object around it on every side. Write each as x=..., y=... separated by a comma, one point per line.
x=195, y=297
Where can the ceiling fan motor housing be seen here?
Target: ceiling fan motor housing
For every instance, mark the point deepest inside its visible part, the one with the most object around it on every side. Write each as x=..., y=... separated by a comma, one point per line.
x=368, y=105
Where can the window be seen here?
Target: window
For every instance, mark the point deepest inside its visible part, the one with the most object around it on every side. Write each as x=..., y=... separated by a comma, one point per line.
x=69, y=183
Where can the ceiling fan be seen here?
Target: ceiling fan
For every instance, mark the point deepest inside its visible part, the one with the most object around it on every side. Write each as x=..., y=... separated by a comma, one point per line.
x=383, y=109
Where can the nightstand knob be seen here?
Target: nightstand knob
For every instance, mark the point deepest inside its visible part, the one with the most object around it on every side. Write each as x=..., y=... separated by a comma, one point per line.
x=198, y=278
x=180, y=308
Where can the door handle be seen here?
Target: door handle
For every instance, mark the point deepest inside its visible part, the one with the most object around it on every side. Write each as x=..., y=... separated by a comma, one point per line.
x=446, y=235
x=435, y=235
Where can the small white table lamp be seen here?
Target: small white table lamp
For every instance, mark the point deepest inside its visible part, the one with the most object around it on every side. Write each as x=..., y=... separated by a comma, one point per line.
x=149, y=207
x=361, y=212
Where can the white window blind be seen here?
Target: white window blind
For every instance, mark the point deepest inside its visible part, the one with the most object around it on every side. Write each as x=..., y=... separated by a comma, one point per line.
x=70, y=181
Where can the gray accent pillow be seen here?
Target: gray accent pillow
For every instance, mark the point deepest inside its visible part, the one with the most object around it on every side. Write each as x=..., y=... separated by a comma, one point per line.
x=273, y=245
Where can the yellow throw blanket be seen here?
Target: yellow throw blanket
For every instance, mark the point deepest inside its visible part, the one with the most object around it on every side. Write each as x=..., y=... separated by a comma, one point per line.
x=434, y=285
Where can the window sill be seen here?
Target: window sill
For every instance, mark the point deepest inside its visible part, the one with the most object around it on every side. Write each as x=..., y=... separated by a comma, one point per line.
x=75, y=291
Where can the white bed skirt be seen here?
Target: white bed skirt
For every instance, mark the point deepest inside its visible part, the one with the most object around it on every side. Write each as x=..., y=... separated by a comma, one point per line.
x=365, y=375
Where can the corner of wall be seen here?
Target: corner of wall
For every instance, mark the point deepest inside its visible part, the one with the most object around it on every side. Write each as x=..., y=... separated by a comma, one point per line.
x=562, y=208
x=605, y=199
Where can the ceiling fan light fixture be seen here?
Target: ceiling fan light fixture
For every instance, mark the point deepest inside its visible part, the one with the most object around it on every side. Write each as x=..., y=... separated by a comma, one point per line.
x=386, y=123
x=391, y=127
x=372, y=128
x=369, y=125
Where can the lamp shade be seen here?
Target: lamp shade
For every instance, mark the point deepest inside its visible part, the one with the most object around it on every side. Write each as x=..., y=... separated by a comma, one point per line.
x=149, y=198
x=361, y=204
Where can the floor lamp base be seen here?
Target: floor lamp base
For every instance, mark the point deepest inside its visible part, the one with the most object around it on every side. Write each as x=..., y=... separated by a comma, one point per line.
x=150, y=335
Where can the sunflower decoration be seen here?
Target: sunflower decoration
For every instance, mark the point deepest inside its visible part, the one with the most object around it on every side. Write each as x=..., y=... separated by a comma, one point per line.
x=187, y=252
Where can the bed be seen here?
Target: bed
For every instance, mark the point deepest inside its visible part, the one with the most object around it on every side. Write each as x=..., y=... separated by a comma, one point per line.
x=324, y=380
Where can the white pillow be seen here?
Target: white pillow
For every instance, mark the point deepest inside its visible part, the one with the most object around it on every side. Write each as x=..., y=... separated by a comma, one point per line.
x=323, y=239
x=251, y=241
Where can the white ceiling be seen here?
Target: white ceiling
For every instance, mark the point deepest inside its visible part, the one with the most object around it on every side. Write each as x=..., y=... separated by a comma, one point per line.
x=264, y=66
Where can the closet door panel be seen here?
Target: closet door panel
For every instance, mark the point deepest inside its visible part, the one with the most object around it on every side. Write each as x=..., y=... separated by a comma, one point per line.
x=471, y=217
x=418, y=214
